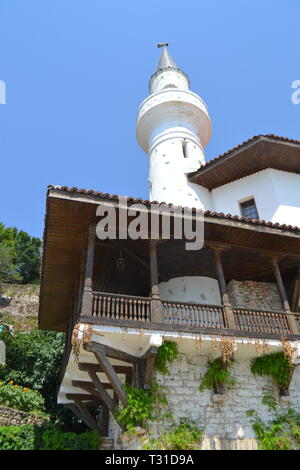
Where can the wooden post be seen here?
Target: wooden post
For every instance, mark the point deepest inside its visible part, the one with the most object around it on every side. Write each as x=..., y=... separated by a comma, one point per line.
x=104, y=420
x=87, y=297
x=296, y=293
x=156, y=305
x=86, y=416
x=223, y=290
x=290, y=319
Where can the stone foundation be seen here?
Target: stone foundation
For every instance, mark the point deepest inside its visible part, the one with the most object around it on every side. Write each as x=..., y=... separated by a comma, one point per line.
x=11, y=417
x=256, y=295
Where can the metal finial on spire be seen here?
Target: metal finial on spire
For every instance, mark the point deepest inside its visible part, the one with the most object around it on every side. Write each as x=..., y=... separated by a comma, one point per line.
x=165, y=60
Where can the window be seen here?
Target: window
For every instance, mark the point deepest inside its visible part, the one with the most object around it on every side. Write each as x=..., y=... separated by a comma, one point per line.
x=248, y=209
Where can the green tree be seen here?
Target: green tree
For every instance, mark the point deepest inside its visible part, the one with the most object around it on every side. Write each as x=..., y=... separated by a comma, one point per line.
x=20, y=255
x=8, y=270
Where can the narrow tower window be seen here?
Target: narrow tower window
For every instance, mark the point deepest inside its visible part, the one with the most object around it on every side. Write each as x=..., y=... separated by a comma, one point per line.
x=184, y=149
x=248, y=209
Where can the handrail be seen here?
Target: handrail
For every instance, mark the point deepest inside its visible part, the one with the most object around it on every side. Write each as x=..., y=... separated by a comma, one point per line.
x=115, y=306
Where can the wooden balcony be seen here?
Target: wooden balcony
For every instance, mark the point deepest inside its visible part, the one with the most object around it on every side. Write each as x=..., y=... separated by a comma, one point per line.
x=133, y=311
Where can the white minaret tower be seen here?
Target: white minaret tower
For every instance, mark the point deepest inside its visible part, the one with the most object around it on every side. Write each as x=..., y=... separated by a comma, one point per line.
x=173, y=127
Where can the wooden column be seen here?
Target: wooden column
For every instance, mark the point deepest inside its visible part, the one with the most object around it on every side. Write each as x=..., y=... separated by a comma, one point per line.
x=104, y=420
x=87, y=297
x=223, y=290
x=291, y=320
x=296, y=293
x=156, y=305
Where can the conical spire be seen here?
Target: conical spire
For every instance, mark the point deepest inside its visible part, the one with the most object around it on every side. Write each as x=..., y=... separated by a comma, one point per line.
x=166, y=60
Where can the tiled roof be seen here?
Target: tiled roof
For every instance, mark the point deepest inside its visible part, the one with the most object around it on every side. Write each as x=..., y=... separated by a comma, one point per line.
x=246, y=142
x=219, y=215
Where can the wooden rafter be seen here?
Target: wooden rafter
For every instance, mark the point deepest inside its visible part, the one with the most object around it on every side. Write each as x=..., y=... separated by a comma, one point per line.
x=109, y=370
x=86, y=366
x=101, y=390
x=86, y=415
x=88, y=385
x=111, y=352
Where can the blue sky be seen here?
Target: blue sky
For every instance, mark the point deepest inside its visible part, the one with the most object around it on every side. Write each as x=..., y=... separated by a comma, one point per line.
x=77, y=70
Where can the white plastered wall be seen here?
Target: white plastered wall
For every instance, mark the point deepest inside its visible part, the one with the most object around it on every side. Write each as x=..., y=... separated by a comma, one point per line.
x=276, y=193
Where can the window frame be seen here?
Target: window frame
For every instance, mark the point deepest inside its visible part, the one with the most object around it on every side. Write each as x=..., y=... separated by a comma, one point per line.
x=245, y=201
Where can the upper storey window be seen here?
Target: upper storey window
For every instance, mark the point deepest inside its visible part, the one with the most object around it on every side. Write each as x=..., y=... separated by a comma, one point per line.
x=248, y=209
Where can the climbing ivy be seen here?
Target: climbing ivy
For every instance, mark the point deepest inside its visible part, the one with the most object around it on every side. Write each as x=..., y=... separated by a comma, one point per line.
x=276, y=366
x=143, y=406
x=167, y=352
x=218, y=376
x=283, y=432
x=139, y=408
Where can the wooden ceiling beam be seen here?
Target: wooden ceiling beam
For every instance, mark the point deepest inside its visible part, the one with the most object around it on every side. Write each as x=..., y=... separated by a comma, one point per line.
x=86, y=366
x=111, y=352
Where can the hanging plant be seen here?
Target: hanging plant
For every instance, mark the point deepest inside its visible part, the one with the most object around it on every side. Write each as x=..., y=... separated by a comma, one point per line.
x=81, y=336
x=218, y=376
x=167, y=352
x=276, y=366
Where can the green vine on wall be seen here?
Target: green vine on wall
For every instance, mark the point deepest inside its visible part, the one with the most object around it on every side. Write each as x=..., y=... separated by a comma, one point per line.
x=167, y=352
x=275, y=365
x=143, y=406
x=282, y=432
x=218, y=376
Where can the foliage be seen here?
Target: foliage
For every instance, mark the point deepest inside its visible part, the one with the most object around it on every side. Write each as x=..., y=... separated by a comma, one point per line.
x=139, y=408
x=20, y=257
x=218, y=375
x=34, y=360
x=17, y=437
x=8, y=270
x=274, y=365
x=282, y=433
x=20, y=398
x=54, y=439
x=32, y=437
x=160, y=402
x=167, y=352
x=185, y=436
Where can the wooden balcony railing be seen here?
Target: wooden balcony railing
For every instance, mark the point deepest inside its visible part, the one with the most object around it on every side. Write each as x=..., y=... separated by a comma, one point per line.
x=117, y=307
x=183, y=313
x=121, y=307
x=261, y=321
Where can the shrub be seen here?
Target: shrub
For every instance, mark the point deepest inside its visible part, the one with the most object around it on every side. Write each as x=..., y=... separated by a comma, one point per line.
x=167, y=352
x=18, y=437
x=20, y=398
x=185, y=436
x=55, y=439
x=31, y=437
x=34, y=360
x=218, y=376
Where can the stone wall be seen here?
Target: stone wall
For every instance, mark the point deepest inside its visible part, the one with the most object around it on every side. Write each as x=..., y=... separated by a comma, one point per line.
x=19, y=305
x=223, y=419
x=257, y=295
x=11, y=417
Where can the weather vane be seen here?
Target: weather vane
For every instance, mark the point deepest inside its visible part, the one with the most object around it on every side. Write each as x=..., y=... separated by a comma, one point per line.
x=162, y=44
